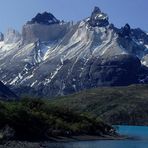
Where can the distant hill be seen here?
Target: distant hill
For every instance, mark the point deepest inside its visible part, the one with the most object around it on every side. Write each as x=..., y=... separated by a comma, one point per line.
x=115, y=105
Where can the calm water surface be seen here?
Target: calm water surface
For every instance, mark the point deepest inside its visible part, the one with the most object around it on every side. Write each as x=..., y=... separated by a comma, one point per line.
x=139, y=132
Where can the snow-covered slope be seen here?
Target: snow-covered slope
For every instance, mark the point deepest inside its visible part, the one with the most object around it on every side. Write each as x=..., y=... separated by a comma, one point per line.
x=58, y=58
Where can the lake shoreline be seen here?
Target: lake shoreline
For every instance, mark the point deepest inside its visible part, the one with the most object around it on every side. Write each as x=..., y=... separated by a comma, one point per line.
x=40, y=144
x=88, y=138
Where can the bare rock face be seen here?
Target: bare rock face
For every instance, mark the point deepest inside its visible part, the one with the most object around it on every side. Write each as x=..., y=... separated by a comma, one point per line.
x=125, y=31
x=44, y=27
x=120, y=66
x=44, y=18
x=42, y=32
x=12, y=36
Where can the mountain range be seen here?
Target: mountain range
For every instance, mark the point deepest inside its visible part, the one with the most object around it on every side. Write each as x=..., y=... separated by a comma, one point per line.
x=52, y=57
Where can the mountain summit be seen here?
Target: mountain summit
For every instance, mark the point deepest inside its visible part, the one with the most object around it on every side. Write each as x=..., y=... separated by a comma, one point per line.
x=44, y=18
x=51, y=57
x=98, y=18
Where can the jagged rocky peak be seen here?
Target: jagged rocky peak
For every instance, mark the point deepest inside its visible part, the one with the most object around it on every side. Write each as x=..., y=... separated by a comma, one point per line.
x=1, y=36
x=125, y=31
x=12, y=36
x=44, y=27
x=98, y=18
x=140, y=35
x=44, y=18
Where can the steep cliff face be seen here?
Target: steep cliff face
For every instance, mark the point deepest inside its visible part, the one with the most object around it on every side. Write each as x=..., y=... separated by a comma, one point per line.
x=42, y=32
x=44, y=27
x=53, y=57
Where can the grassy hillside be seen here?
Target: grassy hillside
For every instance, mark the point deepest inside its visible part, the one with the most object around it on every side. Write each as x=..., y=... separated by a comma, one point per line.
x=115, y=105
x=34, y=119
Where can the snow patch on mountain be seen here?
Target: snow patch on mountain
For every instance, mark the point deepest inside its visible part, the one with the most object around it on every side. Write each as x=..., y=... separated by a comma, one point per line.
x=146, y=46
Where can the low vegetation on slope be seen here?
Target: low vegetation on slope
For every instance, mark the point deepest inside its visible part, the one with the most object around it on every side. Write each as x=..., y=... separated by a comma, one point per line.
x=32, y=119
x=115, y=105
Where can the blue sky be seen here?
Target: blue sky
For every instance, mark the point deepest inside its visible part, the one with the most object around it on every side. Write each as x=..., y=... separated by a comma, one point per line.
x=15, y=13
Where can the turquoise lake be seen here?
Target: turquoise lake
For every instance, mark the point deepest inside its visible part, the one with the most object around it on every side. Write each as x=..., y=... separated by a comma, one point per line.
x=140, y=134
